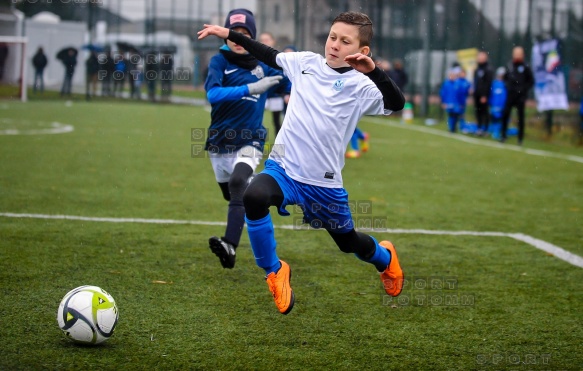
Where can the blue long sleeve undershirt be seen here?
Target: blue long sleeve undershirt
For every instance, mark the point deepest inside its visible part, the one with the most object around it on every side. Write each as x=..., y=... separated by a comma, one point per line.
x=222, y=94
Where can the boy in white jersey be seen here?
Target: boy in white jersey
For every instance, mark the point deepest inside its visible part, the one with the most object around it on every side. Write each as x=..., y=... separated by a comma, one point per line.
x=329, y=96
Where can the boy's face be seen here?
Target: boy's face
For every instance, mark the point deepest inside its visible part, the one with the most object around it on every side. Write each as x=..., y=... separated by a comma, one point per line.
x=235, y=48
x=343, y=40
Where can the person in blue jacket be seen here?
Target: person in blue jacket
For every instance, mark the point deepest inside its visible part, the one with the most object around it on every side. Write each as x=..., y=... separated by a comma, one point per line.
x=119, y=74
x=450, y=100
x=236, y=88
x=497, y=103
x=462, y=92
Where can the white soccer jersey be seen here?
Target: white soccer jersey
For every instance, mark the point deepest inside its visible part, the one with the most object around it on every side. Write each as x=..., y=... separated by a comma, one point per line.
x=323, y=111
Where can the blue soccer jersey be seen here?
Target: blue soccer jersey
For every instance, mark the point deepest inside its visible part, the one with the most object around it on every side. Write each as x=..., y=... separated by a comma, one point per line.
x=236, y=118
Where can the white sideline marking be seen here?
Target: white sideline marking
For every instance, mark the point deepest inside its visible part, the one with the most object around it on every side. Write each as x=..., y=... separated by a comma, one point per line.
x=482, y=142
x=545, y=246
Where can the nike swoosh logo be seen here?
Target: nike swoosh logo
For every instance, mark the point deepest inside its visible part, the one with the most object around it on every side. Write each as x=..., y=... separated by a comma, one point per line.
x=306, y=73
x=228, y=72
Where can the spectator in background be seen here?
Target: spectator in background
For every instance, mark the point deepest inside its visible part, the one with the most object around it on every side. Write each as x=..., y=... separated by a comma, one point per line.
x=275, y=99
x=39, y=62
x=3, y=55
x=497, y=102
x=151, y=74
x=119, y=74
x=106, y=70
x=267, y=38
x=166, y=75
x=384, y=65
x=519, y=80
x=138, y=79
x=449, y=98
x=91, y=71
x=462, y=92
x=399, y=75
x=70, y=62
x=133, y=74
x=483, y=77
x=290, y=49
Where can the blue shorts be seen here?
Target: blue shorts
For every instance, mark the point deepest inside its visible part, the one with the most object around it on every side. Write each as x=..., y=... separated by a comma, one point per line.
x=322, y=207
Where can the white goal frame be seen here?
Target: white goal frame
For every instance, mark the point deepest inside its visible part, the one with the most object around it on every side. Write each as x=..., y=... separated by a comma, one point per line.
x=22, y=41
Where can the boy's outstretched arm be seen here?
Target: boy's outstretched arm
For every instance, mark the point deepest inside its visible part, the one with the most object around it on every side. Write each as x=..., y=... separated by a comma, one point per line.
x=392, y=96
x=260, y=51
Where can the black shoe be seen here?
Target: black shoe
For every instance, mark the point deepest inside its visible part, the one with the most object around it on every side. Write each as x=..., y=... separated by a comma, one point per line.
x=224, y=250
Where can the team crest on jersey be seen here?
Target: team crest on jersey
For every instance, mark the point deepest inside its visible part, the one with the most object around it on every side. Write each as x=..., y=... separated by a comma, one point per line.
x=258, y=72
x=338, y=85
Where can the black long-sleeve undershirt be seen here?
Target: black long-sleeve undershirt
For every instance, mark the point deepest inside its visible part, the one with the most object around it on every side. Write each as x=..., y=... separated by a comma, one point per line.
x=393, y=98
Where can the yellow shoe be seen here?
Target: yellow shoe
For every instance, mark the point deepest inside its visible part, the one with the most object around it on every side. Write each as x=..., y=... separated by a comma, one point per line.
x=352, y=154
x=365, y=146
x=393, y=277
x=279, y=285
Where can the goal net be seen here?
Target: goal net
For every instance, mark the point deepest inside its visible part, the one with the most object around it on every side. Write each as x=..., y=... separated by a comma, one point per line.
x=13, y=74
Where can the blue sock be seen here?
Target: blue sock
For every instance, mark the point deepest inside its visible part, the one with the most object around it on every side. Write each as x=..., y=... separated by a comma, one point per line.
x=261, y=236
x=380, y=259
x=354, y=142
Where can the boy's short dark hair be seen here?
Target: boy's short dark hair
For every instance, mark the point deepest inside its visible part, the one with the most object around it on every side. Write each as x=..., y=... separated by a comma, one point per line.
x=357, y=19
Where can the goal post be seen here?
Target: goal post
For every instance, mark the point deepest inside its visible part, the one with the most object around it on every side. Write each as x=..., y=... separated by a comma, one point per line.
x=21, y=62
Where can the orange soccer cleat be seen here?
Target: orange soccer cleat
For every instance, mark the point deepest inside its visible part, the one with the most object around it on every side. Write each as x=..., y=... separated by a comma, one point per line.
x=352, y=154
x=365, y=146
x=279, y=285
x=393, y=277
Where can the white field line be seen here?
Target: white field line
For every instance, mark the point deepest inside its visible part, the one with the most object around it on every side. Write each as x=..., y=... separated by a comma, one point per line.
x=557, y=251
x=54, y=128
x=482, y=142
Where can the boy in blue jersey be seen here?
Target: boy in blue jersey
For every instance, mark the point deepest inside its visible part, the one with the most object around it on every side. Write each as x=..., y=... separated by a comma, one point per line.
x=329, y=95
x=236, y=86
x=497, y=102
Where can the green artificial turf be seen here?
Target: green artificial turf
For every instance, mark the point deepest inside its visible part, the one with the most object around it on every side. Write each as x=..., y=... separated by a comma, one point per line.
x=470, y=302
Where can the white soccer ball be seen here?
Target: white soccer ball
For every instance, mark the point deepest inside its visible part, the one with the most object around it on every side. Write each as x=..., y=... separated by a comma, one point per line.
x=88, y=315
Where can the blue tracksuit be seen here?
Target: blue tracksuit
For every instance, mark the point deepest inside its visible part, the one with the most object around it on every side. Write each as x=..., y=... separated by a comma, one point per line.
x=454, y=94
x=236, y=116
x=463, y=91
x=497, y=102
